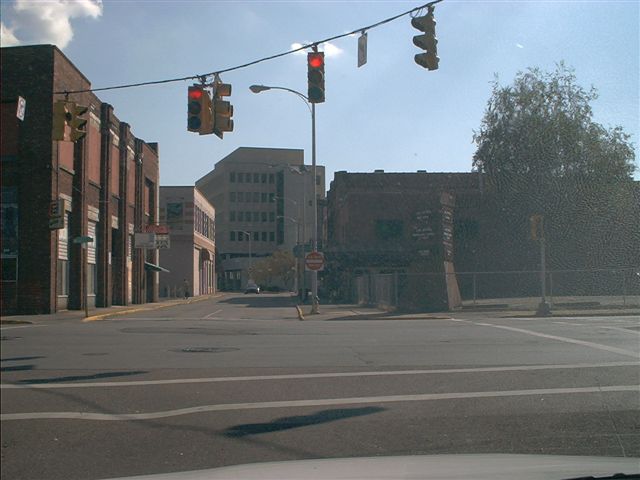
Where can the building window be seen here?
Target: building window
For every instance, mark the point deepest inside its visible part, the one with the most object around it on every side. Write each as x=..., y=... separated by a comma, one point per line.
x=256, y=236
x=240, y=178
x=232, y=177
x=272, y=216
x=263, y=216
x=388, y=229
x=264, y=236
x=241, y=216
x=256, y=178
x=318, y=180
x=272, y=178
x=263, y=197
x=232, y=216
x=256, y=216
x=247, y=178
x=272, y=236
x=263, y=178
x=247, y=216
x=272, y=197
x=232, y=236
x=256, y=197
x=232, y=197
x=240, y=236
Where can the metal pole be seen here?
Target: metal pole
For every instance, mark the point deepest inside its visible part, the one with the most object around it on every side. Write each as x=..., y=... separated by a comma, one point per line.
x=84, y=280
x=314, y=273
x=543, y=308
x=474, y=289
x=250, y=256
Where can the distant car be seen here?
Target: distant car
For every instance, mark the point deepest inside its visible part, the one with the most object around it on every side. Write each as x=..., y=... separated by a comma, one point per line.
x=252, y=288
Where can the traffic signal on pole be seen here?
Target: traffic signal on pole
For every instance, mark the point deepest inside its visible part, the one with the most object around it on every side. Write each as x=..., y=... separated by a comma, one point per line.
x=537, y=227
x=200, y=117
x=62, y=117
x=315, y=75
x=222, y=109
x=427, y=41
x=78, y=122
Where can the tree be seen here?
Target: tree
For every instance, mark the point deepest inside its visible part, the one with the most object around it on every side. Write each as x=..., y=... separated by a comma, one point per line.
x=541, y=152
x=279, y=266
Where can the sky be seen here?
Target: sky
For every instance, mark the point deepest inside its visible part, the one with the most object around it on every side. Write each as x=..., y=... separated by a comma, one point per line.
x=390, y=114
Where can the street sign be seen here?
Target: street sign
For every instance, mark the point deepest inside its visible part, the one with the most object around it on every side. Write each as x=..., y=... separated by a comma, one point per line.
x=162, y=241
x=362, y=49
x=314, y=261
x=56, y=214
x=157, y=229
x=22, y=106
x=83, y=239
x=145, y=240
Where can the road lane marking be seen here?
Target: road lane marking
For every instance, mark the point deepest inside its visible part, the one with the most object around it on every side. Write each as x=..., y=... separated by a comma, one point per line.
x=213, y=313
x=136, y=383
x=606, y=348
x=308, y=403
x=22, y=326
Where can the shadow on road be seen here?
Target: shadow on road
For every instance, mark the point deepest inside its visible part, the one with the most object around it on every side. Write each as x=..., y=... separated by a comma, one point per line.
x=74, y=378
x=287, y=423
x=260, y=301
x=20, y=359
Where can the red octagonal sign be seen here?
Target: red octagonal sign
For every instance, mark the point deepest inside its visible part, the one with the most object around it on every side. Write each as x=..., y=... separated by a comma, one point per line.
x=314, y=261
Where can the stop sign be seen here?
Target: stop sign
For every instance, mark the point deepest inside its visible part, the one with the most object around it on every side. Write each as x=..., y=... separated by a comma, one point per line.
x=314, y=261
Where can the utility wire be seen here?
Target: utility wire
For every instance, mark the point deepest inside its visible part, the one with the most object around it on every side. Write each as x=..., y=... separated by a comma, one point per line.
x=264, y=59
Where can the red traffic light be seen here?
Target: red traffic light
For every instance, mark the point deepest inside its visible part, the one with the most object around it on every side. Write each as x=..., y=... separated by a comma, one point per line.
x=316, y=60
x=195, y=93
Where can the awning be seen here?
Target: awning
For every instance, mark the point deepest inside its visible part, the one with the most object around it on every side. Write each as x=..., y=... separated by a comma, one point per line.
x=155, y=268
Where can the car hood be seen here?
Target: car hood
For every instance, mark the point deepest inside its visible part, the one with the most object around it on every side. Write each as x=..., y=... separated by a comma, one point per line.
x=427, y=467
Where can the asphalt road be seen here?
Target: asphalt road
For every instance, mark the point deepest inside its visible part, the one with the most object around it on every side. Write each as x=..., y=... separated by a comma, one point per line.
x=239, y=379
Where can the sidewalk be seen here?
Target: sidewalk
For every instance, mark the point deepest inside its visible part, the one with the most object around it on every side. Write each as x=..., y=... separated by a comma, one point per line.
x=100, y=313
x=497, y=308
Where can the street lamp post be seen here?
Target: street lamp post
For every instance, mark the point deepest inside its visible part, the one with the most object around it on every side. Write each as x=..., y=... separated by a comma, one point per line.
x=314, y=236
x=250, y=256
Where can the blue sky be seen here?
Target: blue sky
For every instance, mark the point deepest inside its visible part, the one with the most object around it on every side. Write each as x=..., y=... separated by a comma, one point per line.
x=390, y=114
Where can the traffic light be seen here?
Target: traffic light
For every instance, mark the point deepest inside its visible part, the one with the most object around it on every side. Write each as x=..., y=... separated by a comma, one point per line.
x=315, y=75
x=222, y=109
x=62, y=117
x=427, y=41
x=537, y=227
x=78, y=123
x=199, y=118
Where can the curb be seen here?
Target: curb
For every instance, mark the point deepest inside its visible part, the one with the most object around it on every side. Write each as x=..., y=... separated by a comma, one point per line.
x=102, y=316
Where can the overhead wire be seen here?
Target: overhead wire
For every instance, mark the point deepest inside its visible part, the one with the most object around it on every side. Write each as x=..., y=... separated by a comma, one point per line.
x=312, y=45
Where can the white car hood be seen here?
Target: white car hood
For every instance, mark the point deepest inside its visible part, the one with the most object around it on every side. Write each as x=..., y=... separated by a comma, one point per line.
x=423, y=467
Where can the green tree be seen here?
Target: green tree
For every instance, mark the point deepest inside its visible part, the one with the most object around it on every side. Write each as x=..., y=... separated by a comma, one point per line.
x=279, y=266
x=541, y=152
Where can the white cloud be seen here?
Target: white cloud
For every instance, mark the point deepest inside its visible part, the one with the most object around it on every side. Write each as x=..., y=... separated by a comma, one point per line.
x=7, y=38
x=519, y=45
x=329, y=49
x=50, y=21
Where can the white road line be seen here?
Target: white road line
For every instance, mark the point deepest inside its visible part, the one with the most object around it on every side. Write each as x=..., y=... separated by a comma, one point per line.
x=137, y=383
x=308, y=403
x=606, y=348
x=213, y=313
x=22, y=326
x=619, y=329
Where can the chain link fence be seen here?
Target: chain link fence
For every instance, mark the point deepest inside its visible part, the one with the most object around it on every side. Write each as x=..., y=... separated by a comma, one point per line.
x=613, y=286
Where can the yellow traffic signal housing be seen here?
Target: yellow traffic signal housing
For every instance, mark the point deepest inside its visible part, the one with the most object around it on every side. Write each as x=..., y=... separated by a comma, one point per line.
x=427, y=41
x=222, y=110
x=78, y=122
x=62, y=117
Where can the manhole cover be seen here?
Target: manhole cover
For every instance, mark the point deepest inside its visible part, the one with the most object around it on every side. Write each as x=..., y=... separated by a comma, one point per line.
x=206, y=349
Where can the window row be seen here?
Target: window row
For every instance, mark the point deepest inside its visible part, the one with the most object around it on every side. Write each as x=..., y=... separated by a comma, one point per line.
x=204, y=224
x=235, y=177
x=252, y=197
x=254, y=236
x=252, y=216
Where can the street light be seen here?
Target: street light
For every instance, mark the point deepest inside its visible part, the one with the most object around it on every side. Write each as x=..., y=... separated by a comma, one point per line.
x=314, y=238
x=250, y=257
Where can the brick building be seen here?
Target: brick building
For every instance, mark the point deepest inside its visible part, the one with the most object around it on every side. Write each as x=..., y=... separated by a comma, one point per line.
x=399, y=227
x=190, y=219
x=107, y=182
